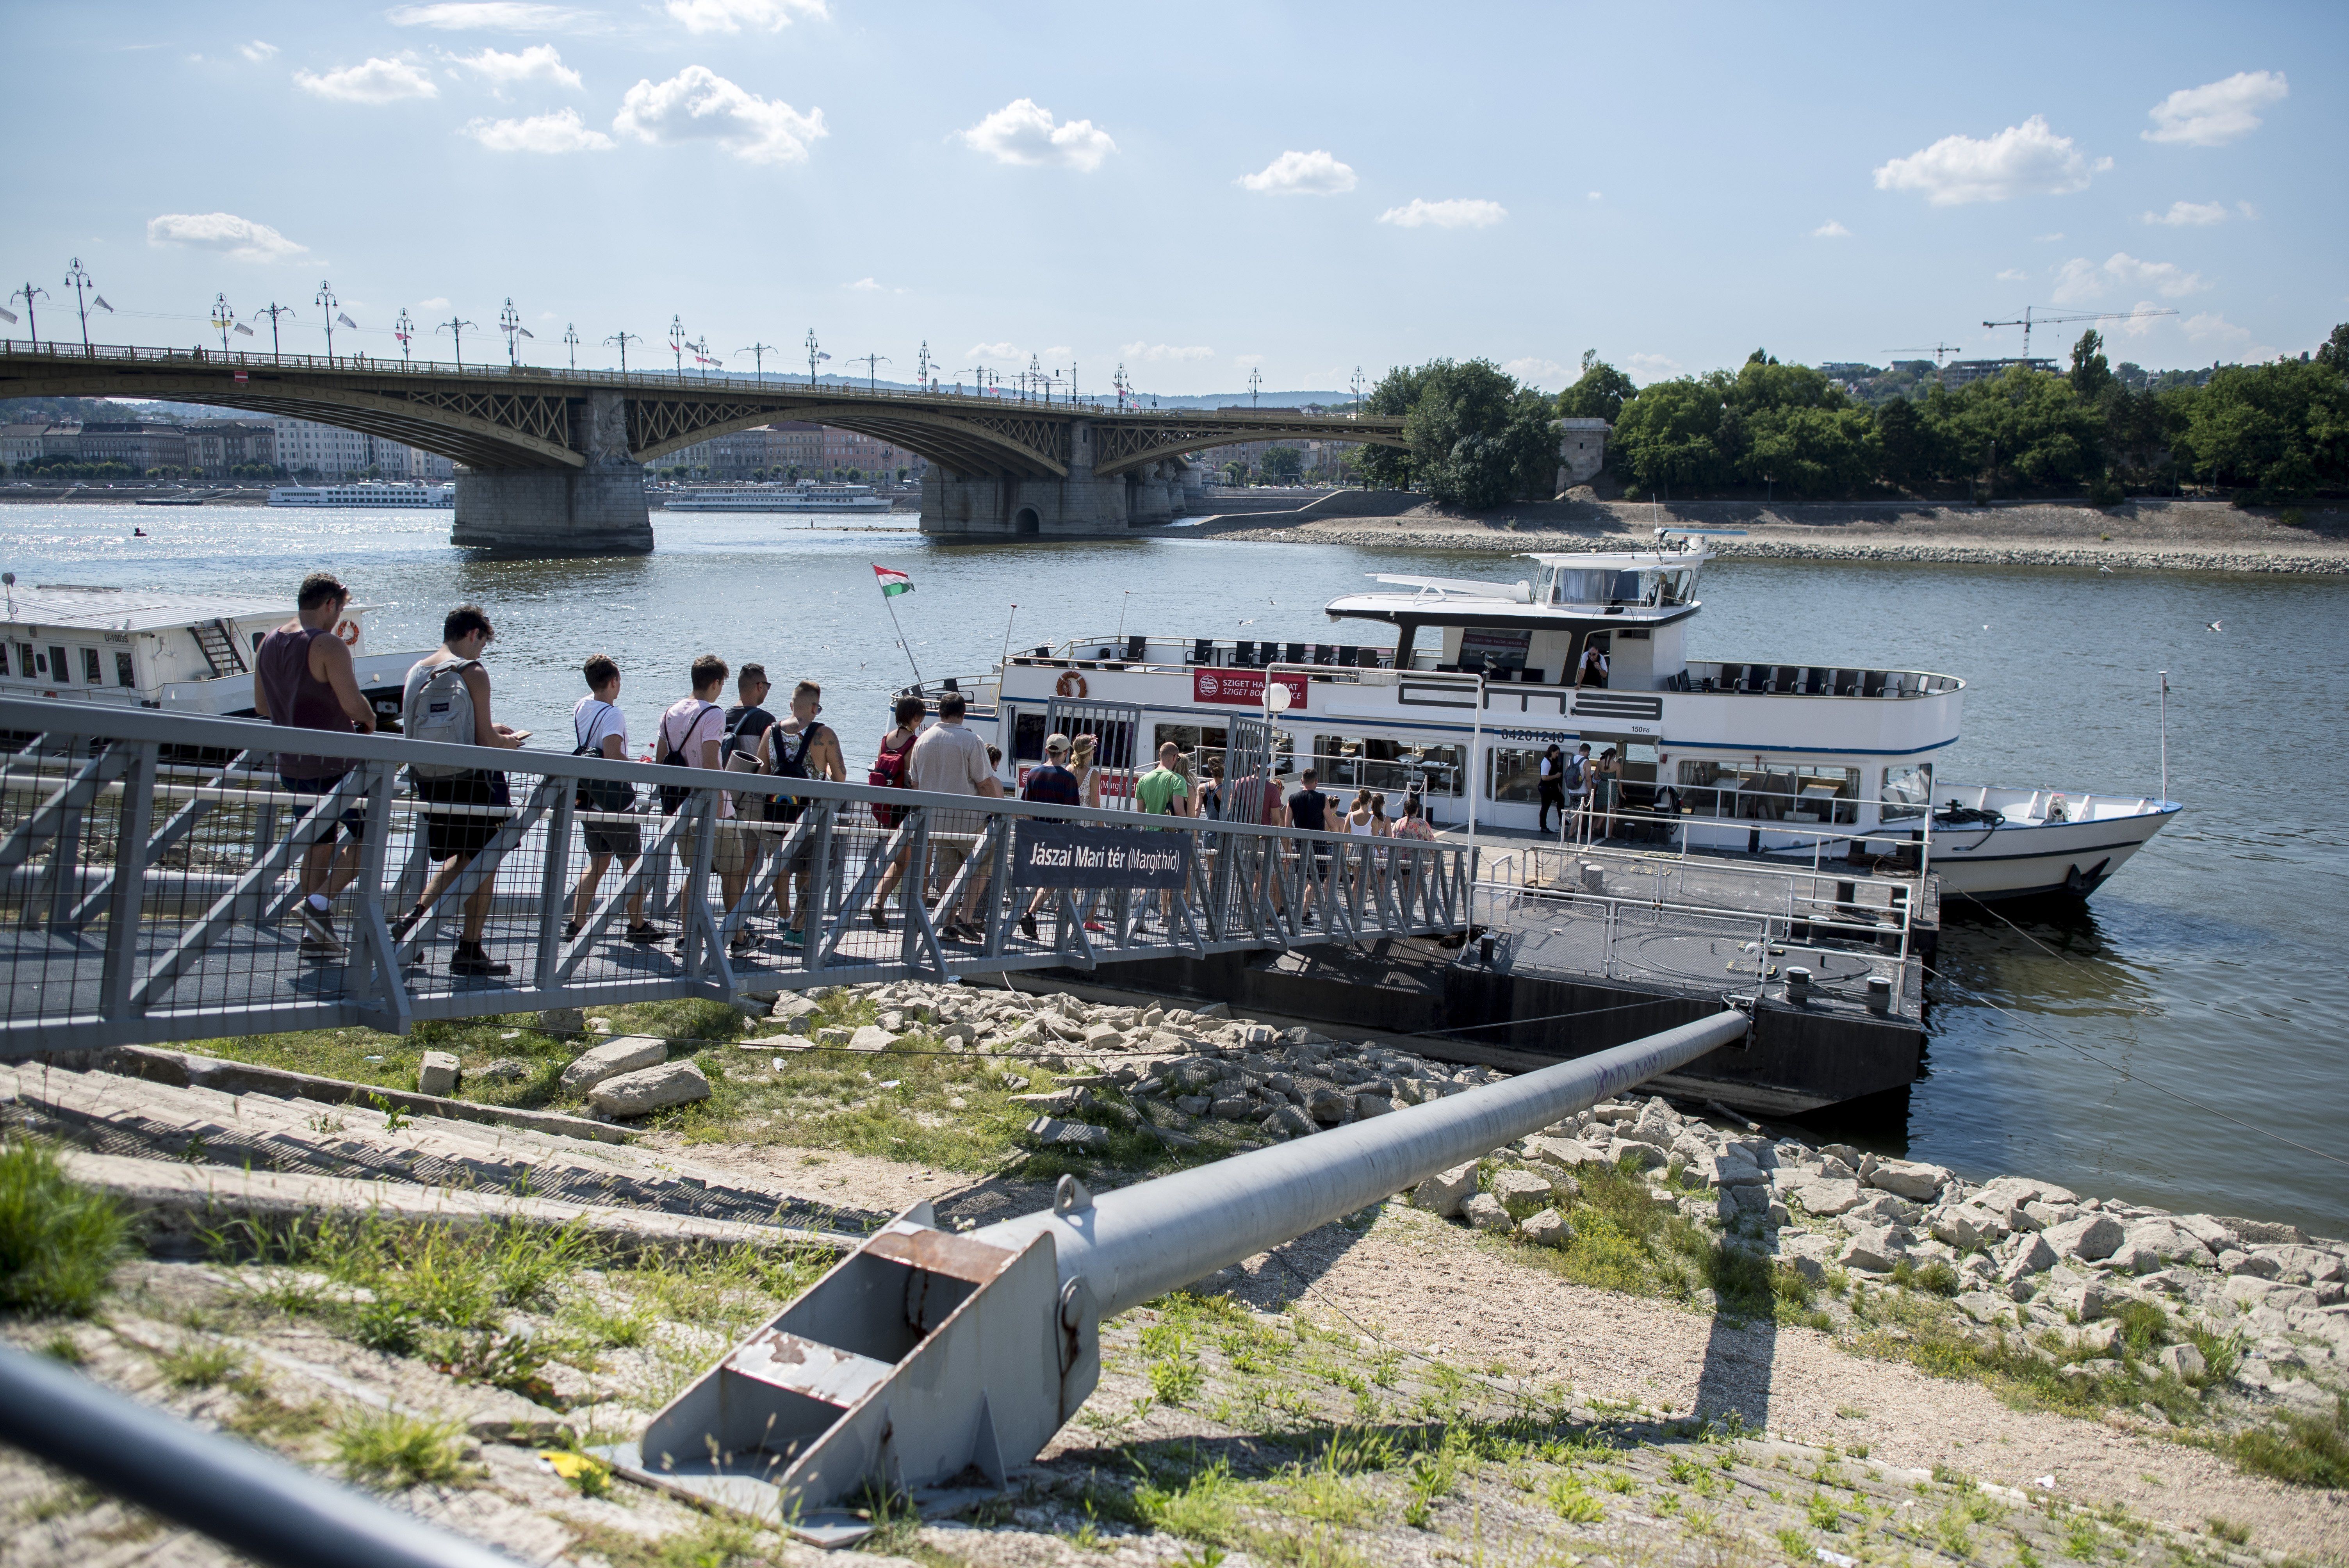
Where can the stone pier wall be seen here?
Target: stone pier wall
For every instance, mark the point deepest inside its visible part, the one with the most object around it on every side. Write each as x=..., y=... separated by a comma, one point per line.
x=597, y=510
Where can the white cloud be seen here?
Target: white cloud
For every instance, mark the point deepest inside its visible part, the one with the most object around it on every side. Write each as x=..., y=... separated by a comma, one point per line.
x=1302, y=174
x=2141, y=325
x=863, y=285
x=2014, y=275
x=994, y=351
x=256, y=51
x=2215, y=113
x=241, y=239
x=1458, y=212
x=1159, y=351
x=1831, y=230
x=495, y=16
x=1592, y=197
x=435, y=304
x=697, y=102
x=2189, y=214
x=1538, y=372
x=2213, y=327
x=1248, y=361
x=2048, y=238
x=377, y=81
x=2248, y=211
x=561, y=131
x=1059, y=351
x=1652, y=366
x=733, y=15
x=1022, y=131
x=538, y=63
x=2082, y=280
x=2026, y=160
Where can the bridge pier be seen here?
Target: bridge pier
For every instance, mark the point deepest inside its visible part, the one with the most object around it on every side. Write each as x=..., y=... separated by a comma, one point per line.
x=1055, y=506
x=596, y=509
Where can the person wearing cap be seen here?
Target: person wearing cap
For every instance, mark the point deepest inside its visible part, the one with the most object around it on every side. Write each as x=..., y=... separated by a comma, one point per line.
x=1052, y=784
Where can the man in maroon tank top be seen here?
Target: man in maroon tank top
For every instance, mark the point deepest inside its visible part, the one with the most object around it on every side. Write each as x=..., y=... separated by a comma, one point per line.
x=303, y=679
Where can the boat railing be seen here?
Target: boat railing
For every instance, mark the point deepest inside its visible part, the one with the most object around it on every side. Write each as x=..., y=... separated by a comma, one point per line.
x=1847, y=943
x=2040, y=808
x=1902, y=841
x=1148, y=655
x=1759, y=679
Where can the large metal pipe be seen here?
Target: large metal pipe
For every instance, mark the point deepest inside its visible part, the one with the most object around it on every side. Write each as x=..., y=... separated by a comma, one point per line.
x=1143, y=1241
x=261, y=1506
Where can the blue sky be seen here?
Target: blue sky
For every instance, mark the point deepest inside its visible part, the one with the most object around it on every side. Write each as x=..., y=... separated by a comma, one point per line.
x=1194, y=191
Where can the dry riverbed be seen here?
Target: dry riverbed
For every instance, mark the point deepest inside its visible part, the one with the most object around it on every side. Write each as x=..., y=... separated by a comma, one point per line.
x=1637, y=1337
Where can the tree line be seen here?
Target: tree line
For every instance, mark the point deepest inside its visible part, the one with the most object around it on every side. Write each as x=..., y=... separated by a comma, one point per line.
x=2269, y=432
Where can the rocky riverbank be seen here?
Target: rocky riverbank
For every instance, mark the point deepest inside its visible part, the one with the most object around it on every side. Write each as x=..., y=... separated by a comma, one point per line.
x=2143, y=535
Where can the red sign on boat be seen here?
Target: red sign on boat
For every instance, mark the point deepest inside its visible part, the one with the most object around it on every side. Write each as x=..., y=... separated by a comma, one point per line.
x=1244, y=688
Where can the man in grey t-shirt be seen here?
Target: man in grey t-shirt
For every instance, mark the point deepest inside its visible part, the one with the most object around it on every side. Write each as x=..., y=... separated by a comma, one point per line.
x=950, y=760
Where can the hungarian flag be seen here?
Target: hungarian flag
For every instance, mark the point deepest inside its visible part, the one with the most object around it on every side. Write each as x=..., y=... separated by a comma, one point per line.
x=893, y=582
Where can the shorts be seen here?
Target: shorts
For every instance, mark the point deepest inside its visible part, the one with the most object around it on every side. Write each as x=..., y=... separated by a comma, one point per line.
x=352, y=821
x=735, y=848
x=620, y=839
x=950, y=851
x=448, y=837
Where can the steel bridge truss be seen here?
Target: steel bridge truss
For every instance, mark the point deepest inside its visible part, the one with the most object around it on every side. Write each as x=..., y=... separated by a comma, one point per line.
x=150, y=870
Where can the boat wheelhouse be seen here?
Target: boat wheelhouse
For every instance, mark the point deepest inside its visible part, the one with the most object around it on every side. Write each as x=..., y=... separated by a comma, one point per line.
x=183, y=652
x=1784, y=759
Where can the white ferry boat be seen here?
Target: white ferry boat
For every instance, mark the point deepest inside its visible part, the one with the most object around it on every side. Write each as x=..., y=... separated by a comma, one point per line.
x=807, y=495
x=184, y=653
x=366, y=493
x=1777, y=759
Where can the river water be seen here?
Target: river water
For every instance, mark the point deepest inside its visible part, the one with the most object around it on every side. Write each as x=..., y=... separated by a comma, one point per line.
x=2168, y=1043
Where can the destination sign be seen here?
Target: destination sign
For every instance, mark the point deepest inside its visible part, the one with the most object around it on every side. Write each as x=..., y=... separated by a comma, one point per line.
x=1245, y=689
x=1061, y=854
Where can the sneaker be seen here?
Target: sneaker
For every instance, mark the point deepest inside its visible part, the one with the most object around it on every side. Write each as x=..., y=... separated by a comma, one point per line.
x=743, y=941
x=404, y=925
x=879, y=918
x=571, y=930
x=794, y=938
x=646, y=934
x=1028, y=928
x=317, y=927
x=473, y=958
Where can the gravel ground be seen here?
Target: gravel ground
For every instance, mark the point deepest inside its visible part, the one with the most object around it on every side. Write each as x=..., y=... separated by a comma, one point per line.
x=2202, y=536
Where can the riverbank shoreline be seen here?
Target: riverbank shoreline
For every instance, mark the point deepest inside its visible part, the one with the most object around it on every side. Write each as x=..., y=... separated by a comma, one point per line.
x=2145, y=535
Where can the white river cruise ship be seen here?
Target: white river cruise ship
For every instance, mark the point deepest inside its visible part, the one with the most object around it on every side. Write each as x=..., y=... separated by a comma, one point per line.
x=1777, y=757
x=366, y=493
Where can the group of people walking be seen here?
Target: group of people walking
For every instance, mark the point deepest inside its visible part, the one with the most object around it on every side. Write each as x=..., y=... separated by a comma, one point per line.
x=304, y=678
x=1584, y=790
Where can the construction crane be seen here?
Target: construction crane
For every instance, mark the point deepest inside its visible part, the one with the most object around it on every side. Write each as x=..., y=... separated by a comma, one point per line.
x=2028, y=320
x=1937, y=350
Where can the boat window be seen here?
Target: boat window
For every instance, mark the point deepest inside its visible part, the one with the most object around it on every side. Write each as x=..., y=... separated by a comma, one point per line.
x=1514, y=775
x=1548, y=575
x=1027, y=736
x=1349, y=763
x=1581, y=586
x=25, y=667
x=58, y=669
x=1908, y=791
x=1201, y=744
x=123, y=675
x=92, y=670
x=1771, y=791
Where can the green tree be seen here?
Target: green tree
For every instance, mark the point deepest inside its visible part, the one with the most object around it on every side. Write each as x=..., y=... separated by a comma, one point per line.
x=1281, y=465
x=2269, y=432
x=2090, y=374
x=1666, y=436
x=2334, y=350
x=1601, y=394
x=1397, y=392
x=1477, y=437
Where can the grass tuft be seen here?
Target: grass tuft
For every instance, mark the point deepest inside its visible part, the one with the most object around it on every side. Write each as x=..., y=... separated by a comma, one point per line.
x=58, y=1241
x=397, y=1450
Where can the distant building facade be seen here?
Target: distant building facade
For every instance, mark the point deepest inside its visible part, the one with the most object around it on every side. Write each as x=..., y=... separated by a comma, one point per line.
x=135, y=444
x=304, y=447
x=786, y=447
x=218, y=446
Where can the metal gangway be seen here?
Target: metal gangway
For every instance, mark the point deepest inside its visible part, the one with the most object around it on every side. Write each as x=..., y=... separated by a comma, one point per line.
x=150, y=869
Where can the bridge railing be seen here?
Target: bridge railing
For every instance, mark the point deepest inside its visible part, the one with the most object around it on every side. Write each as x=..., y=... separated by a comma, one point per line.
x=524, y=375
x=154, y=870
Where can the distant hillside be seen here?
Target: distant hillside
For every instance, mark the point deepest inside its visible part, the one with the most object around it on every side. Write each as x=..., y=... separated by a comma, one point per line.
x=81, y=410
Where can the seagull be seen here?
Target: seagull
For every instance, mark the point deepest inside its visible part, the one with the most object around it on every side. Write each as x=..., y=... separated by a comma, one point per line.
x=2215, y=626
x=2105, y=570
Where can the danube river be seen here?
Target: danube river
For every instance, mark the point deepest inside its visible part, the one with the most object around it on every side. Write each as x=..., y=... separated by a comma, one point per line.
x=2168, y=1043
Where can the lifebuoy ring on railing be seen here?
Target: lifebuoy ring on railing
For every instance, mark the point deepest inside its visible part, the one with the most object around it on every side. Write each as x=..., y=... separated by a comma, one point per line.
x=349, y=633
x=1071, y=684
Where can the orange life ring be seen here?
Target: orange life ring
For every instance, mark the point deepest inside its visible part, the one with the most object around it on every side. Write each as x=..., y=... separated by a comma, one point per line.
x=1071, y=684
x=349, y=633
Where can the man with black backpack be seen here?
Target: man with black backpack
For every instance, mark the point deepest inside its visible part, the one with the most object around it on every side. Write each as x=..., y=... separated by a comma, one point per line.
x=447, y=699
x=799, y=748
x=693, y=735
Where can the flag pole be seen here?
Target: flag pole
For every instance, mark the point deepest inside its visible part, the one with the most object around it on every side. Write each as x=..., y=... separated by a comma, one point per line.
x=2165, y=737
x=1006, y=660
x=886, y=605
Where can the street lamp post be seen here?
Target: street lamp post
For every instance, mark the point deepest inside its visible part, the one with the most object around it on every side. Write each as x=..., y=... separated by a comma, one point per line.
x=455, y=327
x=1358, y=391
x=327, y=303
x=702, y=356
x=922, y=363
x=757, y=353
x=624, y=339
x=28, y=293
x=869, y=361
x=79, y=279
x=404, y=329
x=273, y=313
x=676, y=342
x=1255, y=381
x=509, y=322
x=812, y=356
x=223, y=318
x=571, y=342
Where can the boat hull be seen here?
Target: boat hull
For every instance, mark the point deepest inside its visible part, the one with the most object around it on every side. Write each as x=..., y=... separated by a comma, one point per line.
x=2041, y=861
